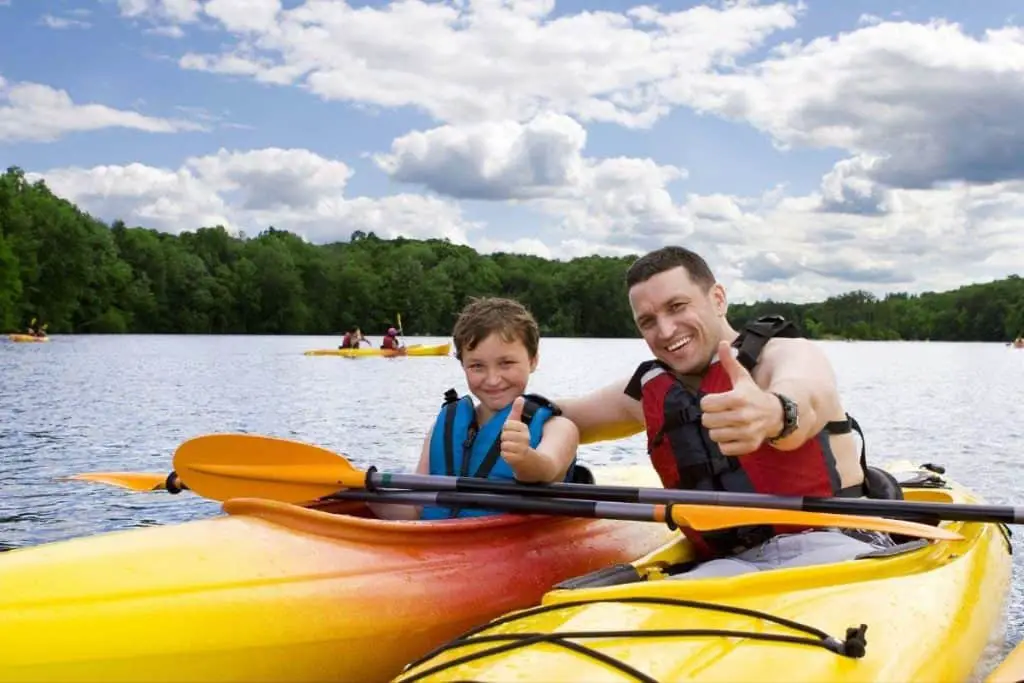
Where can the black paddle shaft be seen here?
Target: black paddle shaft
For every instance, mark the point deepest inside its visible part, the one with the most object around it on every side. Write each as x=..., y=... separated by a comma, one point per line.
x=914, y=511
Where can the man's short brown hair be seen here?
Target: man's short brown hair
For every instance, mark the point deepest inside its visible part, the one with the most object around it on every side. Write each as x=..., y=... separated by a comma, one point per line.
x=667, y=258
x=485, y=316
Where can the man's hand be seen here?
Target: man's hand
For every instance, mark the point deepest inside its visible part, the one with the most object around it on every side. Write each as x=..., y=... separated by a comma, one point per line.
x=740, y=420
x=515, y=436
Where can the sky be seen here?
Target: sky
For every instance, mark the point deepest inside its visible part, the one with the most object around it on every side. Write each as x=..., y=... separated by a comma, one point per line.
x=804, y=149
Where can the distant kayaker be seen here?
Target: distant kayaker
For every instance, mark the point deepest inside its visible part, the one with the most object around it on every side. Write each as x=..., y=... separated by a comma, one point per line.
x=353, y=338
x=391, y=340
x=745, y=412
x=508, y=434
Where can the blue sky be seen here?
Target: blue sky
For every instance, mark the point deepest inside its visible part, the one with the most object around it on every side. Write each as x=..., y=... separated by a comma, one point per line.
x=805, y=148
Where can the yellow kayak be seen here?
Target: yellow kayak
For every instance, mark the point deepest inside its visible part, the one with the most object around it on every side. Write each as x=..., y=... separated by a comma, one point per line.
x=281, y=593
x=929, y=608
x=414, y=350
x=1011, y=669
x=26, y=338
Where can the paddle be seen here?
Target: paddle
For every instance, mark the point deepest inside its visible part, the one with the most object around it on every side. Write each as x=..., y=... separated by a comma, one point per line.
x=223, y=466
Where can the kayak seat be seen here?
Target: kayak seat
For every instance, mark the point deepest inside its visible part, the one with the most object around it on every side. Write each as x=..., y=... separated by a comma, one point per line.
x=613, y=575
x=581, y=474
x=881, y=484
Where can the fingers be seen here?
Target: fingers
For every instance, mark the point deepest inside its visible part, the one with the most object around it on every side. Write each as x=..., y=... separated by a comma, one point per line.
x=515, y=438
x=734, y=442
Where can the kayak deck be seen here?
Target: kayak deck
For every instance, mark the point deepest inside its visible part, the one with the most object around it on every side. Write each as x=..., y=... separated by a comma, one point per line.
x=922, y=613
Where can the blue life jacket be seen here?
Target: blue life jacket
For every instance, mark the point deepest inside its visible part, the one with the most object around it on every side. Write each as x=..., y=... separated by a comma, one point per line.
x=459, y=447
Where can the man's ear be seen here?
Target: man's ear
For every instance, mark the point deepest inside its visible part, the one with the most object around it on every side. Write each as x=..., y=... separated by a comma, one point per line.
x=721, y=302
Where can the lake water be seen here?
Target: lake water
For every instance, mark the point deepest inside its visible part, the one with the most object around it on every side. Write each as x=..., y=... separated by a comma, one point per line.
x=93, y=403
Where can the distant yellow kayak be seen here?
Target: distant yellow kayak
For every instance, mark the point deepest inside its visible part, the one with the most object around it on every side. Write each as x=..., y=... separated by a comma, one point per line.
x=414, y=350
x=26, y=338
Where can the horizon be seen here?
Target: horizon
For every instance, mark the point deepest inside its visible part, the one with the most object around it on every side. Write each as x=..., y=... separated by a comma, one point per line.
x=806, y=149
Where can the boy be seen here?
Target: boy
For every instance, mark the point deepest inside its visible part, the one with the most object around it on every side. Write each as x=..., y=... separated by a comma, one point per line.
x=504, y=436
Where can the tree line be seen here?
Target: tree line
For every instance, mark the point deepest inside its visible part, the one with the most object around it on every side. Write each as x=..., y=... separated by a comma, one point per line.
x=63, y=267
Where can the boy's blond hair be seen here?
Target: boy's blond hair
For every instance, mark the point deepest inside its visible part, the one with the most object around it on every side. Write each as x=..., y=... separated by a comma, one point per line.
x=488, y=315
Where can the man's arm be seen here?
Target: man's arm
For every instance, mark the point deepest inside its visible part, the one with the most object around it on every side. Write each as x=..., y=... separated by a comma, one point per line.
x=605, y=414
x=800, y=370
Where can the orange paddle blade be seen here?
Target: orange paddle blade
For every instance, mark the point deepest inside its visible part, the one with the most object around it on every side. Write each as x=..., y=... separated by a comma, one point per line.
x=136, y=481
x=711, y=517
x=224, y=466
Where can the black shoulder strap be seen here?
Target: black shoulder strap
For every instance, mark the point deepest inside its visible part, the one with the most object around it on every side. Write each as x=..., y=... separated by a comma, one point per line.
x=634, y=387
x=536, y=401
x=450, y=406
x=756, y=334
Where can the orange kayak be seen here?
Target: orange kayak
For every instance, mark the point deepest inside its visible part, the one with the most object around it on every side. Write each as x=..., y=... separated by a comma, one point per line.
x=279, y=592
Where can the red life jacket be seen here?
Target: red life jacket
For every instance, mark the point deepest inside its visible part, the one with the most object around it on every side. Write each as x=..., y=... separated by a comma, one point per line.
x=346, y=341
x=685, y=457
x=388, y=343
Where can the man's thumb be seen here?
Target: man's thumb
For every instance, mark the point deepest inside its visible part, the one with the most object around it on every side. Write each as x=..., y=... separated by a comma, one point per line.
x=517, y=409
x=737, y=373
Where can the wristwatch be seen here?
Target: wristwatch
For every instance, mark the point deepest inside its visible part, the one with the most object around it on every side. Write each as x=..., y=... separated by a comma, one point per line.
x=790, y=418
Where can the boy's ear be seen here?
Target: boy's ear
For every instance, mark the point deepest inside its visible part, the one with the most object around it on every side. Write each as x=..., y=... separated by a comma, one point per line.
x=533, y=362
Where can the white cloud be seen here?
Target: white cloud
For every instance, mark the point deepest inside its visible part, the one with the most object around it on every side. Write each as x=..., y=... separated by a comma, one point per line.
x=244, y=15
x=927, y=103
x=58, y=23
x=479, y=60
x=172, y=10
x=39, y=113
x=168, y=31
x=491, y=160
x=291, y=189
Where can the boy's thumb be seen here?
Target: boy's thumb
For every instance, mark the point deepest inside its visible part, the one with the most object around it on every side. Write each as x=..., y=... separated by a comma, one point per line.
x=517, y=409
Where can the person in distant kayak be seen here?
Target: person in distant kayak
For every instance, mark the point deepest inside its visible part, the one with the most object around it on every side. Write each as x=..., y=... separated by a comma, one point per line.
x=391, y=340
x=353, y=338
x=508, y=434
x=752, y=411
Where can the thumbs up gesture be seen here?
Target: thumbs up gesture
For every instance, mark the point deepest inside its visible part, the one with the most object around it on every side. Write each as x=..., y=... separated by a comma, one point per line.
x=515, y=435
x=741, y=419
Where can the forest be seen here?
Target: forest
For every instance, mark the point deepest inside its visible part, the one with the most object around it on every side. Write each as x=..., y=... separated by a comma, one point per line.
x=77, y=274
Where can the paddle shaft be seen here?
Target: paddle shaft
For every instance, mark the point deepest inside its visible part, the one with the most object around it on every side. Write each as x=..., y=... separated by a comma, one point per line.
x=571, y=508
x=916, y=511
x=701, y=518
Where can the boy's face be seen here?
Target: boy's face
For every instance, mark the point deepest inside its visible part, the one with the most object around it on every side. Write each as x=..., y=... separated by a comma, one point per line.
x=497, y=371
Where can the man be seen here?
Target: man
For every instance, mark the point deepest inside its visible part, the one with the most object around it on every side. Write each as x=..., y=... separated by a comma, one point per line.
x=728, y=411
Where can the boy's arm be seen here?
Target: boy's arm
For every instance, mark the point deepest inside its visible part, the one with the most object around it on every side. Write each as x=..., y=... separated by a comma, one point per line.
x=557, y=446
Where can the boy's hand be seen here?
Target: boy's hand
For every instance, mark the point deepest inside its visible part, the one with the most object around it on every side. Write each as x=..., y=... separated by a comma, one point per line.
x=515, y=436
